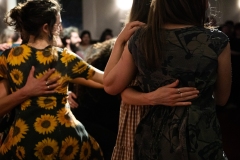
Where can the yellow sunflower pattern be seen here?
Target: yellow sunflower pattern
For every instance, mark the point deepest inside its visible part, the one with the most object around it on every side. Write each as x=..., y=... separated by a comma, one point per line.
x=45, y=57
x=94, y=143
x=17, y=76
x=19, y=55
x=47, y=149
x=26, y=104
x=39, y=75
x=20, y=129
x=48, y=116
x=60, y=81
x=46, y=124
x=20, y=152
x=69, y=148
x=47, y=102
x=64, y=100
x=63, y=87
x=64, y=117
x=3, y=61
x=53, y=75
x=79, y=67
x=67, y=57
x=85, y=151
x=3, y=66
x=7, y=144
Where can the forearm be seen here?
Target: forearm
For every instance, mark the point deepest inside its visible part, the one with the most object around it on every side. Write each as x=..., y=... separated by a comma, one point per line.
x=8, y=102
x=131, y=96
x=88, y=83
x=167, y=95
x=114, y=57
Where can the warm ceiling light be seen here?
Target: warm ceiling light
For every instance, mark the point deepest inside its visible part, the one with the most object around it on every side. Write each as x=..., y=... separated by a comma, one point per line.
x=124, y=4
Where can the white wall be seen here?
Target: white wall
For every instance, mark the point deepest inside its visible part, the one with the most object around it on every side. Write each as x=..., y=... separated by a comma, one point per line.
x=231, y=10
x=101, y=14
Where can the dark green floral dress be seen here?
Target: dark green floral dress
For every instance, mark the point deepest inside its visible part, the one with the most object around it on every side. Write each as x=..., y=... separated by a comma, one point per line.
x=44, y=127
x=181, y=133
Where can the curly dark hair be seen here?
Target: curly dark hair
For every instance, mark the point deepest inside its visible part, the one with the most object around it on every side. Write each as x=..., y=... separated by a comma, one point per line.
x=29, y=17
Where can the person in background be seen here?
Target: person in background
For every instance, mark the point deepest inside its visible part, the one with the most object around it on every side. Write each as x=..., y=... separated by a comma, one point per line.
x=6, y=36
x=97, y=110
x=86, y=43
x=106, y=35
x=179, y=50
x=71, y=40
x=44, y=126
x=6, y=39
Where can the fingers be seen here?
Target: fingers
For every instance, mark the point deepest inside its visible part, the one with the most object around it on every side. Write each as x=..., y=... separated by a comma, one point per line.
x=183, y=96
x=135, y=23
x=73, y=104
x=71, y=101
x=31, y=73
x=48, y=74
x=52, y=86
x=186, y=89
x=4, y=46
x=182, y=104
x=172, y=85
x=52, y=81
x=72, y=94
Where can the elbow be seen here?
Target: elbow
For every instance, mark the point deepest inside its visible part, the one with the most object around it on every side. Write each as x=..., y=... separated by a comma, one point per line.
x=113, y=86
x=110, y=90
x=221, y=101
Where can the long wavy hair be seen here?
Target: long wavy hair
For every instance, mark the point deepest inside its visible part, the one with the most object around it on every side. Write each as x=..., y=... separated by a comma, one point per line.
x=139, y=11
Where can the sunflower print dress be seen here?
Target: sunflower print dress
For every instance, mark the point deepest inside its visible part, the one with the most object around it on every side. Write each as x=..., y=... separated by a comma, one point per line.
x=44, y=127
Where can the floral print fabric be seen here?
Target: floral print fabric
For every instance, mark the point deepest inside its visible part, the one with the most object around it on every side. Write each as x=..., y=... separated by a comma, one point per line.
x=190, y=132
x=44, y=127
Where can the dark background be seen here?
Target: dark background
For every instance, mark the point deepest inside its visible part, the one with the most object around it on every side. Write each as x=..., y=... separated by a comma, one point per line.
x=71, y=13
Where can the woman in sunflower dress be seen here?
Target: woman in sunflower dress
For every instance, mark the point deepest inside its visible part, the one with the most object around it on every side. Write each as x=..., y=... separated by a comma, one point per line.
x=44, y=127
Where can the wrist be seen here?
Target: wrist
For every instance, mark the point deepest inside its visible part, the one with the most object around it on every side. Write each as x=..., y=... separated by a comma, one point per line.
x=120, y=42
x=147, y=97
x=24, y=93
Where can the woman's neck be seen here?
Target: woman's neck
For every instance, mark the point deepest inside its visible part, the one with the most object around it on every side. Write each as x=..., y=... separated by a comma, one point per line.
x=175, y=26
x=38, y=43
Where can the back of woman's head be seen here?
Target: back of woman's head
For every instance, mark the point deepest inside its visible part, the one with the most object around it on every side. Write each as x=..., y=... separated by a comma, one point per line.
x=139, y=10
x=29, y=17
x=184, y=12
x=189, y=12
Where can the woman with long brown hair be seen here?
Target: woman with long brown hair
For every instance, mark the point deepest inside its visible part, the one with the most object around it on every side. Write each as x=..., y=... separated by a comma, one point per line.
x=175, y=44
